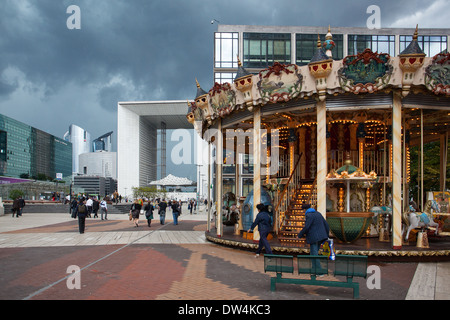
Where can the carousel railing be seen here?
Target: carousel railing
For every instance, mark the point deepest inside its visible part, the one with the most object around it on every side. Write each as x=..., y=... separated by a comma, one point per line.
x=287, y=194
x=283, y=169
x=312, y=197
x=372, y=160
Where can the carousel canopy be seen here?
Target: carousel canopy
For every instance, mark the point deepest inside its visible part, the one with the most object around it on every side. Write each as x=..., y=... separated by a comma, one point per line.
x=172, y=180
x=357, y=89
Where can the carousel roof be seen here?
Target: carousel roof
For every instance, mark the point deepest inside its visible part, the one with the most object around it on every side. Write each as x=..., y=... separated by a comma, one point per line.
x=172, y=180
x=241, y=71
x=289, y=92
x=320, y=54
x=413, y=47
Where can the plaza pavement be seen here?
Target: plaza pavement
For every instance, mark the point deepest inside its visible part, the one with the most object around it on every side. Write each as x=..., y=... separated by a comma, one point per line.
x=167, y=262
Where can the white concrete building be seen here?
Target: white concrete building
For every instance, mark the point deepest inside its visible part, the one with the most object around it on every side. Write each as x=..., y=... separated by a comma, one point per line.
x=100, y=163
x=137, y=130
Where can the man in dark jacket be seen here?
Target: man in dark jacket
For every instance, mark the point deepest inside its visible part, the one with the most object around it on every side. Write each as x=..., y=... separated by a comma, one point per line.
x=16, y=207
x=21, y=204
x=81, y=212
x=264, y=223
x=162, y=211
x=316, y=229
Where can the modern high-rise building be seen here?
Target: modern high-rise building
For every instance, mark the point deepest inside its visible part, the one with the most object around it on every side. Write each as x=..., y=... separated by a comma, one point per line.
x=137, y=146
x=27, y=152
x=81, y=143
x=100, y=163
x=103, y=143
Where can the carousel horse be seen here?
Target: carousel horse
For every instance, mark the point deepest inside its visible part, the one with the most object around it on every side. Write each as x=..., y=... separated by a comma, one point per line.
x=230, y=212
x=421, y=219
x=383, y=210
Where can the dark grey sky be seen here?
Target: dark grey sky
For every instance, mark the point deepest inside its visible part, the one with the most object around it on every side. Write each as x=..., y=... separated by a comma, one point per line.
x=51, y=77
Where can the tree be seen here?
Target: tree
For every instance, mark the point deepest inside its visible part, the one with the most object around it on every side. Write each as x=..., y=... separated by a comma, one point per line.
x=148, y=192
x=13, y=194
x=431, y=169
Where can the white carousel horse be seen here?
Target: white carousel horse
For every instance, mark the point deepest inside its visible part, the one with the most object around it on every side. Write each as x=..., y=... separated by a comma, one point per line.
x=422, y=219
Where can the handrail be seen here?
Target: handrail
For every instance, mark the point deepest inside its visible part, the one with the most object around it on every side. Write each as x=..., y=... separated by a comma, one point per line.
x=285, y=190
x=312, y=190
x=287, y=184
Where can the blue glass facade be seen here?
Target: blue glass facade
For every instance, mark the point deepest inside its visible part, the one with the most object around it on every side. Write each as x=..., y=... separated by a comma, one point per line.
x=27, y=152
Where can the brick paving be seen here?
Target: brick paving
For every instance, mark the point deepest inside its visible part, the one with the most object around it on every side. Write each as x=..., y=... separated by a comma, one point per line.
x=180, y=271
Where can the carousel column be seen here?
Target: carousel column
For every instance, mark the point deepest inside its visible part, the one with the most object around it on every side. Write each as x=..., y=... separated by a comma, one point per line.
x=443, y=161
x=302, y=150
x=256, y=164
x=208, y=207
x=321, y=157
x=219, y=178
x=397, y=171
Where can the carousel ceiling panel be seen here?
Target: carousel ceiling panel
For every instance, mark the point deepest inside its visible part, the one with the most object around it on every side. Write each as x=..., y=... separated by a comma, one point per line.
x=416, y=100
x=359, y=101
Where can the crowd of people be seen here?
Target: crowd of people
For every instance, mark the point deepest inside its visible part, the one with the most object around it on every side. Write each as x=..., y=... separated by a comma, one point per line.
x=83, y=207
x=316, y=228
x=147, y=207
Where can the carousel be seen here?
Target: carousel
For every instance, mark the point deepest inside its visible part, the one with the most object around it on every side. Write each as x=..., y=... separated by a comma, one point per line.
x=335, y=134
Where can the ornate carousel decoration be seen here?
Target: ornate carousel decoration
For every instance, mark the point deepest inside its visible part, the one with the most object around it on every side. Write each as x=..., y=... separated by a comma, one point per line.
x=320, y=68
x=222, y=100
x=279, y=83
x=411, y=59
x=365, y=72
x=201, y=101
x=328, y=45
x=437, y=74
x=194, y=116
x=244, y=85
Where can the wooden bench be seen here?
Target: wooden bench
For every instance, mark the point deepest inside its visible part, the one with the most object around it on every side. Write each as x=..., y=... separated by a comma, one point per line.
x=344, y=265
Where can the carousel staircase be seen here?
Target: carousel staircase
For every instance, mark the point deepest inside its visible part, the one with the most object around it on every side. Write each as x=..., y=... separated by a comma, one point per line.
x=294, y=218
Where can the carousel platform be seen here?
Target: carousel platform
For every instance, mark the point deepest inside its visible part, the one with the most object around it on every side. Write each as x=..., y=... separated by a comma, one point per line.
x=376, y=250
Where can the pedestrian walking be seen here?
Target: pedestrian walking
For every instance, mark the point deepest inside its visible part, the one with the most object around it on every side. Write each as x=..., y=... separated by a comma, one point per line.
x=264, y=223
x=81, y=212
x=162, y=211
x=95, y=207
x=73, y=206
x=135, y=210
x=104, y=208
x=149, y=213
x=89, y=206
x=175, y=211
x=21, y=205
x=16, y=207
x=190, y=206
x=316, y=230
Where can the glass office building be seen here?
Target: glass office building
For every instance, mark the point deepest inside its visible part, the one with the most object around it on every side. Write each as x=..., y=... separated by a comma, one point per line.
x=27, y=152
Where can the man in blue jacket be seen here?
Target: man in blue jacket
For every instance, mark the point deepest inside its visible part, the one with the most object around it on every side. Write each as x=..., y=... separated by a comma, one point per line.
x=264, y=223
x=316, y=229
